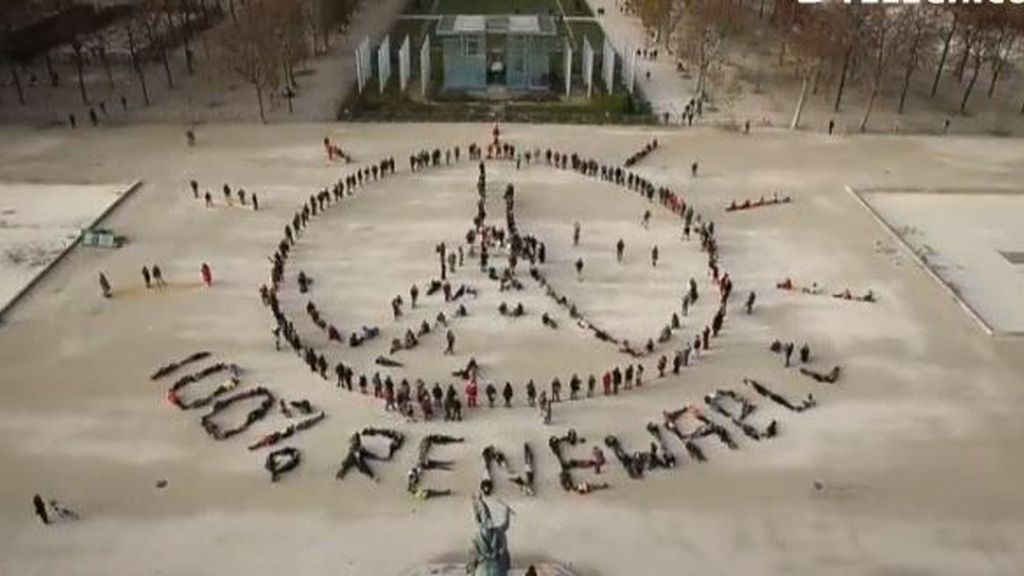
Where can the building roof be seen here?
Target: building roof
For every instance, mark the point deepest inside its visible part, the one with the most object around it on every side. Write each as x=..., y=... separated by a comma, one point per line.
x=472, y=24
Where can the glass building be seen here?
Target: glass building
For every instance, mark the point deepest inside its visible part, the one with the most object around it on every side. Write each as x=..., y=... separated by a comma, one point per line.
x=512, y=52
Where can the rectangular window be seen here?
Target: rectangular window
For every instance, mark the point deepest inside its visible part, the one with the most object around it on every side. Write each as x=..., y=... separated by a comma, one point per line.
x=473, y=47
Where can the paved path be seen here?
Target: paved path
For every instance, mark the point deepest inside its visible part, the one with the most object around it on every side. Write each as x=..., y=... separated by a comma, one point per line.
x=666, y=90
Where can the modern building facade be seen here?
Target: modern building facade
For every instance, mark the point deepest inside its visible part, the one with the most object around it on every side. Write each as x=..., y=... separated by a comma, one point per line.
x=511, y=51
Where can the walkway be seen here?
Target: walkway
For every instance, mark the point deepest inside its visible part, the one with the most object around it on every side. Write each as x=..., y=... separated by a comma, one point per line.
x=667, y=90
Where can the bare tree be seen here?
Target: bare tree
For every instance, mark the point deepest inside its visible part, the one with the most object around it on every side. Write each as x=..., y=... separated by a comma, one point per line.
x=151, y=15
x=10, y=16
x=707, y=28
x=918, y=28
x=78, y=49
x=100, y=43
x=251, y=49
x=845, y=23
x=805, y=30
x=951, y=29
x=1012, y=25
x=883, y=40
x=131, y=28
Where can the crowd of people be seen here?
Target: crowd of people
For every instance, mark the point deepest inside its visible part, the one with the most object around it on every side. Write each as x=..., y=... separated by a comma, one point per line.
x=814, y=289
x=359, y=457
x=484, y=241
x=424, y=463
x=759, y=203
x=638, y=156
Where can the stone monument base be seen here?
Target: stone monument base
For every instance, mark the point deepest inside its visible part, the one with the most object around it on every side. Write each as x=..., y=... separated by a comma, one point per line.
x=542, y=568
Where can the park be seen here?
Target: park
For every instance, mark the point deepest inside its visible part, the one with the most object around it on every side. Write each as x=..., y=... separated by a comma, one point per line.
x=556, y=346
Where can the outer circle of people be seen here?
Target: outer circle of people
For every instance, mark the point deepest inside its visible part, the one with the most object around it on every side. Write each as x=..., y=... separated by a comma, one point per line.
x=483, y=241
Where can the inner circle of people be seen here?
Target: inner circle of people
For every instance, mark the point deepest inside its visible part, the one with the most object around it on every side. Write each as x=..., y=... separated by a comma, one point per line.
x=511, y=260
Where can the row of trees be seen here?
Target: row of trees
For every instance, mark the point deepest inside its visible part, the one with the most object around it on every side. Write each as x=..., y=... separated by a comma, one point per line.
x=260, y=42
x=881, y=48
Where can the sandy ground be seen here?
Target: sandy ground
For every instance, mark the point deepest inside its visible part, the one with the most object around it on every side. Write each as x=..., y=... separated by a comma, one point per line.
x=33, y=231
x=916, y=448
x=963, y=237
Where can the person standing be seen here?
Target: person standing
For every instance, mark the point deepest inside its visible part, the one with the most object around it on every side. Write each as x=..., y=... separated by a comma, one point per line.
x=579, y=269
x=206, y=274
x=471, y=392
x=654, y=257
x=788, y=350
x=576, y=233
x=158, y=277
x=507, y=393
x=750, y=302
x=255, y=203
x=104, y=285
x=40, y=509
x=145, y=276
x=450, y=338
x=620, y=249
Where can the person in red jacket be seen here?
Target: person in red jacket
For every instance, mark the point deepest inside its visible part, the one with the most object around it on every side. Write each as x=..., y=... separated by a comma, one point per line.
x=207, y=274
x=471, y=392
x=606, y=381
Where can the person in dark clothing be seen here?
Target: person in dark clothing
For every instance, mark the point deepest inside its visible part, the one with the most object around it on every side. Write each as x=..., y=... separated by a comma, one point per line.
x=450, y=338
x=750, y=302
x=620, y=249
x=788, y=351
x=805, y=354
x=104, y=285
x=40, y=508
x=507, y=393
x=145, y=276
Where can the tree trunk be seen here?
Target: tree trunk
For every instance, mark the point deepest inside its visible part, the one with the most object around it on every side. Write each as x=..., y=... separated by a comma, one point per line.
x=79, y=65
x=54, y=79
x=795, y=124
x=970, y=85
x=842, y=79
x=997, y=66
x=185, y=32
x=968, y=42
x=17, y=81
x=163, y=53
x=760, y=10
x=106, y=66
x=259, y=100
x=868, y=108
x=911, y=66
x=138, y=68
x=942, y=58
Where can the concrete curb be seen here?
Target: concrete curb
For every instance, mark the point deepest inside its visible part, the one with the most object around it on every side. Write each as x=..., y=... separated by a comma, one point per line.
x=67, y=250
x=924, y=265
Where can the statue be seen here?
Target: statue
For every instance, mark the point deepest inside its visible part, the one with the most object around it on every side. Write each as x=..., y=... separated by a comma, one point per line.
x=490, y=548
